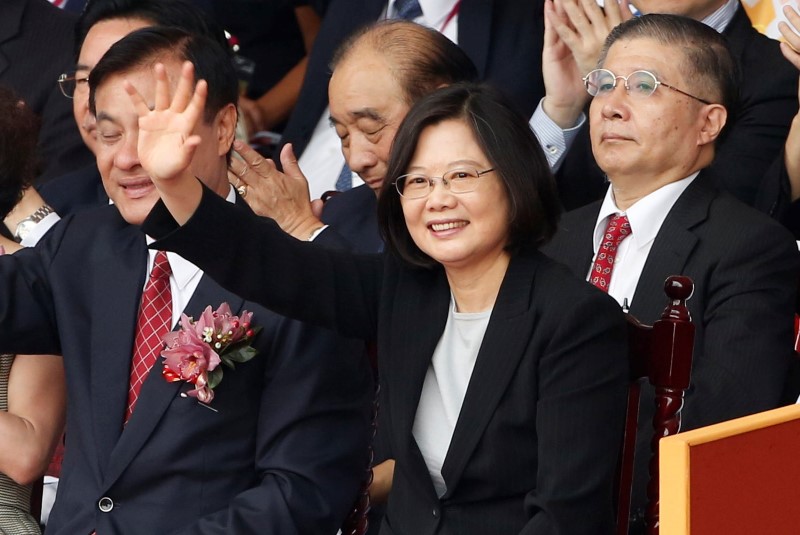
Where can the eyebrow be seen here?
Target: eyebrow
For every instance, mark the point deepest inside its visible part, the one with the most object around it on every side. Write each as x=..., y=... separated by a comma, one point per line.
x=105, y=116
x=455, y=165
x=364, y=113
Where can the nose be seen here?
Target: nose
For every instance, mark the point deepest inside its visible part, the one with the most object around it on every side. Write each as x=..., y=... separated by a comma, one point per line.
x=361, y=155
x=440, y=197
x=615, y=103
x=127, y=156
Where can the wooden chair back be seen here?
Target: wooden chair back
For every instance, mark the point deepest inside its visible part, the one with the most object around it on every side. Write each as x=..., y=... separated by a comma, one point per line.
x=661, y=353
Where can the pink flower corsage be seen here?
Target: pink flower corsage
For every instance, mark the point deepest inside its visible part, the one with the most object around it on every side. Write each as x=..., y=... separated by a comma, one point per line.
x=193, y=352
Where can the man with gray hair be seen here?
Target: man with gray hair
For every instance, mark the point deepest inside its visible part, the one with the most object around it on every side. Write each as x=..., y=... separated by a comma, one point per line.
x=661, y=97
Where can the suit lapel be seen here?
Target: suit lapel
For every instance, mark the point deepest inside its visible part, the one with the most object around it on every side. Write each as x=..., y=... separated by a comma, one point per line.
x=672, y=247
x=574, y=247
x=157, y=394
x=507, y=335
x=475, y=31
x=424, y=313
x=116, y=294
x=739, y=33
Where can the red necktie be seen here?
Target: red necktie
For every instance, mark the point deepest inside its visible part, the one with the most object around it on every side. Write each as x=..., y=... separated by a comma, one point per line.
x=617, y=230
x=155, y=320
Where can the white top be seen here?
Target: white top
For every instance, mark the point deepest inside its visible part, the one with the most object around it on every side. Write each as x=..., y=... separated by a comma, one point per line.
x=322, y=159
x=445, y=386
x=555, y=142
x=645, y=217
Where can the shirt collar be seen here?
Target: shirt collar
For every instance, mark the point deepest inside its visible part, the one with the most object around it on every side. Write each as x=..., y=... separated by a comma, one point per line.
x=433, y=11
x=645, y=216
x=720, y=19
x=183, y=271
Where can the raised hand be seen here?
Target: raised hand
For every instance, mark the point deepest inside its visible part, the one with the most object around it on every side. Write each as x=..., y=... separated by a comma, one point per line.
x=271, y=193
x=791, y=48
x=166, y=140
x=575, y=31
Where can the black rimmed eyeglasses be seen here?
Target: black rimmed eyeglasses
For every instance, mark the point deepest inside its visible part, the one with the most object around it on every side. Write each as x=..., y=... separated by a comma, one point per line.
x=69, y=83
x=417, y=185
x=601, y=82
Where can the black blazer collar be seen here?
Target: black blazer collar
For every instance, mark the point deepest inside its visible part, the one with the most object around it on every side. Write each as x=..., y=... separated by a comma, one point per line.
x=673, y=246
x=509, y=331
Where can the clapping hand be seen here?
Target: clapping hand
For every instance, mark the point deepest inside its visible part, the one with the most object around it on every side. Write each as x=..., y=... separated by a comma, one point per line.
x=271, y=193
x=166, y=140
x=791, y=47
x=575, y=31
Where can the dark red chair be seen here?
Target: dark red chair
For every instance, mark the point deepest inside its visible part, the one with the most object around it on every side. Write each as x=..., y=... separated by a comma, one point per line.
x=662, y=354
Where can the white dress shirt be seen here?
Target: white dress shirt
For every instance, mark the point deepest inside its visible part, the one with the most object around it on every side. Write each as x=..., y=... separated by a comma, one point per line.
x=645, y=217
x=322, y=160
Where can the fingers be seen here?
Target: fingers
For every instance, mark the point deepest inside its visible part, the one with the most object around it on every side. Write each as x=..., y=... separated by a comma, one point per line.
x=162, y=98
x=791, y=54
x=563, y=25
x=289, y=162
x=625, y=11
x=316, y=208
x=252, y=165
x=612, y=13
x=183, y=93
x=138, y=101
x=790, y=32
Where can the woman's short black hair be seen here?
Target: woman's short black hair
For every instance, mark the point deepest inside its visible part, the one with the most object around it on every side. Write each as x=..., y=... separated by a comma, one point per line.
x=19, y=131
x=509, y=144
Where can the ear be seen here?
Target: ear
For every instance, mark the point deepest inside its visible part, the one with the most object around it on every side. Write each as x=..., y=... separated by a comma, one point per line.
x=225, y=128
x=713, y=118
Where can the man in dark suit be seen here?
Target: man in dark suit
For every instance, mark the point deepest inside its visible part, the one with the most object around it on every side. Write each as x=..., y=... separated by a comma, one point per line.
x=30, y=65
x=656, y=143
x=503, y=38
x=281, y=447
x=758, y=121
x=99, y=26
x=368, y=101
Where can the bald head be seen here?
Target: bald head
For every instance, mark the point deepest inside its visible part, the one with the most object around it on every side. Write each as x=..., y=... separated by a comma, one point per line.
x=420, y=59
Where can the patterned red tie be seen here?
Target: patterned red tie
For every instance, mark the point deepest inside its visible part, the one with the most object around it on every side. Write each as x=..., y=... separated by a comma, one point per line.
x=155, y=320
x=617, y=230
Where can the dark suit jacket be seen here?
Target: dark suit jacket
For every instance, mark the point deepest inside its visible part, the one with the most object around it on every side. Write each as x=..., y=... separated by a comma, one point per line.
x=283, y=451
x=36, y=45
x=745, y=268
x=353, y=216
x=502, y=37
x=537, y=438
x=767, y=103
x=76, y=191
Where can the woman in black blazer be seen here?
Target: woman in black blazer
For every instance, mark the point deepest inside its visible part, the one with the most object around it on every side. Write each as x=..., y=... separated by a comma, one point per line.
x=503, y=376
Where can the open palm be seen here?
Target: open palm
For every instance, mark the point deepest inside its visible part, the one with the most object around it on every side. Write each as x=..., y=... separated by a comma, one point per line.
x=166, y=140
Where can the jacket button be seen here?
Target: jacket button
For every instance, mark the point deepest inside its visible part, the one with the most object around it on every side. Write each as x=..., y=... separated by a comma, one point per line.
x=435, y=513
x=105, y=504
